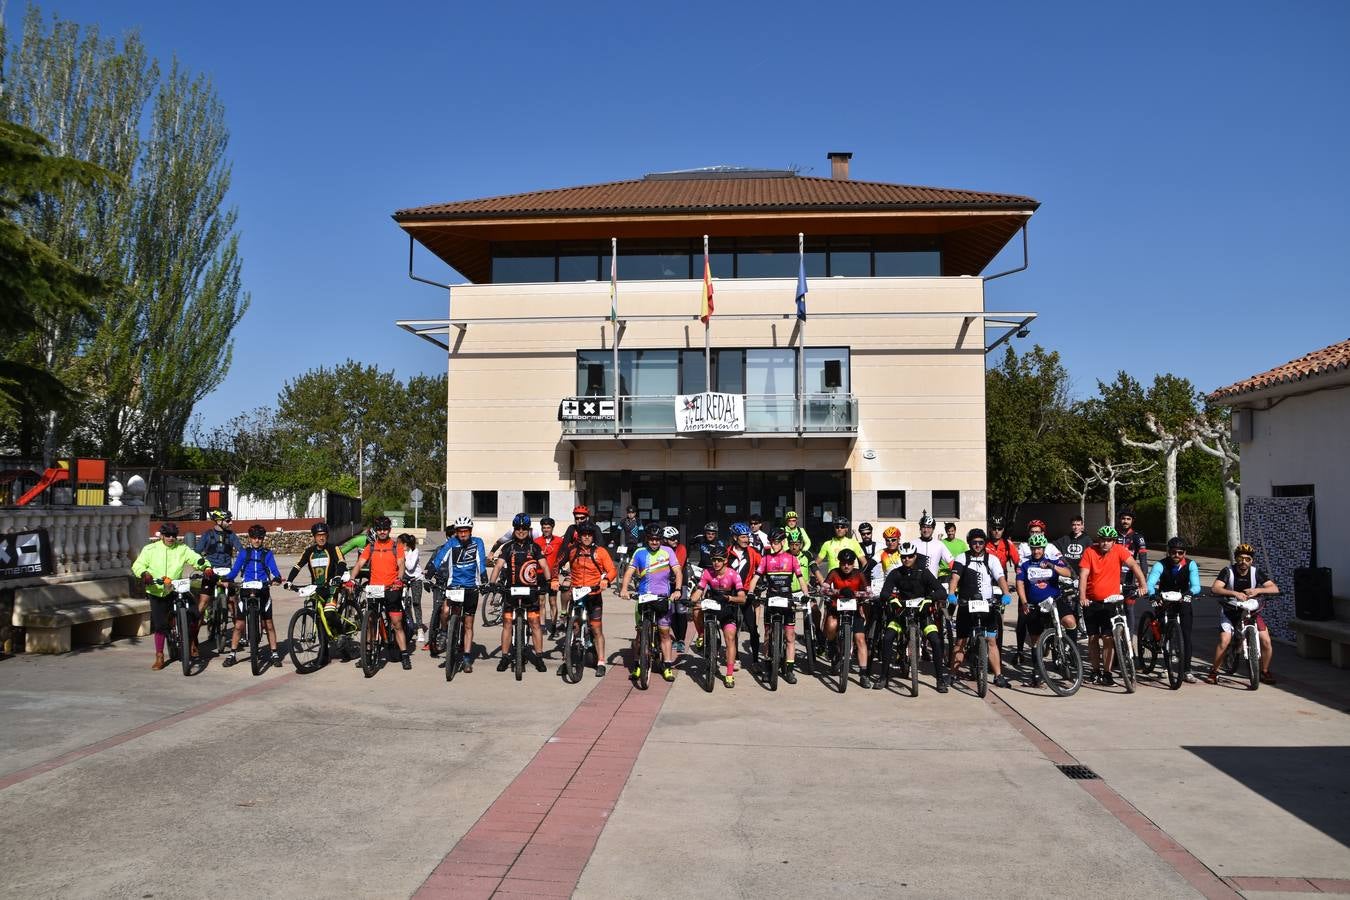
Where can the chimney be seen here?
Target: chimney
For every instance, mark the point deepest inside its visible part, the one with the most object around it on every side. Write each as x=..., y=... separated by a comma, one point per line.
x=839, y=165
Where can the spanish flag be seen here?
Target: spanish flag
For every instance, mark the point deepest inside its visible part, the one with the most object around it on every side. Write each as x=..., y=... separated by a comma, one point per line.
x=707, y=311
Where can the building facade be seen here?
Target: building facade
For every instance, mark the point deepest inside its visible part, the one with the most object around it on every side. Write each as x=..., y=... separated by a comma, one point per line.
x=565, y=390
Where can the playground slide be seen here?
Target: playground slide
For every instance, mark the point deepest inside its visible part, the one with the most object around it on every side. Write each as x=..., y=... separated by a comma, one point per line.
x=49, y=478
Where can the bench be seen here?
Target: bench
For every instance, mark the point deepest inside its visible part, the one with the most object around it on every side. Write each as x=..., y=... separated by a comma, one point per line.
x=57, y=617
x=1328, y=638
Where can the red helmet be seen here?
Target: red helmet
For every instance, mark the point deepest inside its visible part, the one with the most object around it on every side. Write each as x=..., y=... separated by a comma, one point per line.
x=1036, y=523
x=581, y=511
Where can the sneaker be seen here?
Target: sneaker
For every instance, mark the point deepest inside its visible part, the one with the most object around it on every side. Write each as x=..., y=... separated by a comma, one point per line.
x=1017, y=659
x=539, y=664
x=864, y=681
x=467, y=664
x=599, y=671
x=729, y=681
x=229, y=661
x=698, y=645
x=1107, y=680
x=1189, y=678
x=276, y=658
x=942, y=685
x=504, y=663
x=636, y=673
x=877, y=684
x=1267, y=678
x=1002, y=681
x=407, y=662
x=788, y=675
x=679, y=646
x=1212, y=677
x=668, y=673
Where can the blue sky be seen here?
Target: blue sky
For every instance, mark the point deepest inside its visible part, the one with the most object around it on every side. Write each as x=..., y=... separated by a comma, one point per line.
x=1189, y=157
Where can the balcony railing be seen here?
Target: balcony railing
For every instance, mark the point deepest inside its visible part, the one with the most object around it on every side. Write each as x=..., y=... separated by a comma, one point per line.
x=654, y=414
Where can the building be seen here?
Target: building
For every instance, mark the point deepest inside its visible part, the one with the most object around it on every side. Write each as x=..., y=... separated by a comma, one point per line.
x=1292, y=424
x=872, y=408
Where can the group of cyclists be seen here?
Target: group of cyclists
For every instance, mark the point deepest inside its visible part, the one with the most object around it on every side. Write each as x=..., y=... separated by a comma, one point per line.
x=953, y=590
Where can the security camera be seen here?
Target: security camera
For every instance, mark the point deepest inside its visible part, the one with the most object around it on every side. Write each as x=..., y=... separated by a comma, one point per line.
x=1023, y=332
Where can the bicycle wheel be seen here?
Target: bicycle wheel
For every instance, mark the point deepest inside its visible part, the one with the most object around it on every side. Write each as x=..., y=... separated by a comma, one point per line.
x=845, y=652
x=370, y=641
x=914, y=659
x=492, y=608
x=220, y=621
x=1124, y=661
x=574, y=650
x=1059, y=665
x=710, y=648
x=1253, y=658
x=255, y=660
x=453, y=637
x=981, y=662
x=775, y=653
x=1173, y=656
x=305, y=637
x=643, y=657
x=1150, y=646
x=518, y=653
x=185, y=639
x=809, y=637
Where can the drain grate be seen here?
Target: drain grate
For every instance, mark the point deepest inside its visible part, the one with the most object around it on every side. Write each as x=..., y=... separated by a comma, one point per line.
x=1081, y=773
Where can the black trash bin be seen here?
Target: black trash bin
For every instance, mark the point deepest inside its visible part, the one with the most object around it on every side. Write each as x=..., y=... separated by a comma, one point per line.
x=1312, y=594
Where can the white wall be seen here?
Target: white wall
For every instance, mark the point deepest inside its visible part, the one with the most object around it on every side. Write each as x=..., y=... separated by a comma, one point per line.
x=245, y=507
x=1303, y=440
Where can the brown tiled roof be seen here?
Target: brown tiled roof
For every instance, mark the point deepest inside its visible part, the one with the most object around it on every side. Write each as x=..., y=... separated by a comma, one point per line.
x=692, y=193
x=1319, y=362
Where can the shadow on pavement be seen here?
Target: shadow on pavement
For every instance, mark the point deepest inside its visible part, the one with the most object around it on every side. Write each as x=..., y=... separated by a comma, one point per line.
x=1308, y=782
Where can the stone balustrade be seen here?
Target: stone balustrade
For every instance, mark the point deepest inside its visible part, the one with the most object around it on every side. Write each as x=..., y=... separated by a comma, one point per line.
x=87, y=541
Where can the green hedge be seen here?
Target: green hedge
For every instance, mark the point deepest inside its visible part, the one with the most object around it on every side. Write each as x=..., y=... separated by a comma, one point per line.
x=1199, y=518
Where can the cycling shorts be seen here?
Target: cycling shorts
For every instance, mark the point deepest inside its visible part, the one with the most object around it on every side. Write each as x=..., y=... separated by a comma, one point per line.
x=161, y=611
x=725, y=616
x=1232, y=621
x=1097, y=619
x=993, y=620
x=470, y=604
x=531, y=605
x=210, y=580
x=664, y=610
x=393, y=601
x=264, y=606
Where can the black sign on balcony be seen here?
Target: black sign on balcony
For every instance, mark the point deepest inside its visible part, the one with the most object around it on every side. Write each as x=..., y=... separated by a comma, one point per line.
x=575, y=409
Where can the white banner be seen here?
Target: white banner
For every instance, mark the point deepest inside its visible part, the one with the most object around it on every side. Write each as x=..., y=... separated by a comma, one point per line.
x=709, y=412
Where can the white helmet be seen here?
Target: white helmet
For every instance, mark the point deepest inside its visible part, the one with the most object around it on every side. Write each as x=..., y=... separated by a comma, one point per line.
x=908, y=549
x=463, y=522
x=671, y=532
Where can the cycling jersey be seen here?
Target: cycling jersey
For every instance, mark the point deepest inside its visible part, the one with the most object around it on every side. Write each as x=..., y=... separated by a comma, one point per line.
x=934, y=556
x=744, y=560
x=550, y=546
x=830, y=550
x=840, y=582
x=760, y=541
x=631, y=532
x=165, y=561
x=219, y=546
x=254, y=564
x=1005, y=551
x=1040, y=579
x=588, y=567
x=1071, y=548
x=1102, y=570
x=524, y=562
x=780, y=564
x=704, y=548
x=1164, y=576
x=680, y=553
x=955, y=547
x=979, y=575
x=1133, y=541
x=462, y=563
x=324, y=563
x=869, y=557
x=889, y=560
x=655, y=571
x=807, y=568
x=384, y=560
x=909, y=582
x=727, y=583
x=356, y=542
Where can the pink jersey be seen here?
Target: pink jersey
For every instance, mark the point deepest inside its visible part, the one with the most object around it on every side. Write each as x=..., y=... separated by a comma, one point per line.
x=779, y=562
x=729, y=582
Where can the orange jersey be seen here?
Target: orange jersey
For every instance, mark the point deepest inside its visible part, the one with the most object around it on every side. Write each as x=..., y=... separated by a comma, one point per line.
x=550, y=546
x=386, y=561
x=589, y=568
x=1101, y=571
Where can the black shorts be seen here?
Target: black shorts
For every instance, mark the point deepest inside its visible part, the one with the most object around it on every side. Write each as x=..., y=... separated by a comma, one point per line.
x=209, y=580
x=393, y=601
x=993, y=620
x=470, y=604
x=725, y=616
x=161, y=614
x=1097, y=619
x=1037, y=621
x=531, y=604
x=264, y=606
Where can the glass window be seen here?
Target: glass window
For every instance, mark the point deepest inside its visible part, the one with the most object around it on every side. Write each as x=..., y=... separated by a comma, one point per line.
x=772, y=261
x=946, y=504
x=522, y=269
x=1291, y=490
x=826, y=370
x=851, y=263
x=536, y=503
x=770, y=389
x=649, y=380
x=891, y=505
x=653, y=263
x=728, y=367
x=579, y=268
x=595, y=373
x=485, y=504
x=908, y=262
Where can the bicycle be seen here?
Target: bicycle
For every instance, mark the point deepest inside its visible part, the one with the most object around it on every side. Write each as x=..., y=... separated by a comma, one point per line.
x=250, y=595
x=492, y=599
x=711, y=604
x=577, y=643
x=313, y=631
x=649, y=607
x=452, y=636
x=1120, y=633
x=519, y=598
x=377, y=629
x=845, y=606
x=180, y=623
x=906, y=613
x=779, y=611
x=982, y=621
x=1058, y=661
x=218, y=620
x=807, y=604
x=1161, y=637
x=1244, y=648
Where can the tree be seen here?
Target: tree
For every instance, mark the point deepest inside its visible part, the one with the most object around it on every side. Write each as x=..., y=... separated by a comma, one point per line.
x=1114, y=475
x=1169, y=442
x=35, y=280
x=1214, y=438
x=1028, y=422
x=1080, y=486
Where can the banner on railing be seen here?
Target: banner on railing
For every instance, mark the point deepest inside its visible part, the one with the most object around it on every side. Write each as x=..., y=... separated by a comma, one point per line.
x=25, y=554
x=709, y=412
x=577, y=408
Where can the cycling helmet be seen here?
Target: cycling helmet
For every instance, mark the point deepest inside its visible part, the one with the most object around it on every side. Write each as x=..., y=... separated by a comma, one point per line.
x=908, y=549
x=718, y=553
x=653, y=532
x=382, y=523
x=1177, y=543
x=581, y=511
x=976, y=534
x=318, y=528
x=790, y=514
x=1036, y=523
x=891, y=532
x=740, y=528
x=841, y=522
x=847, y=556
x=670, y=532
x=547, y=520
x=797, y=539
x=256, y=531
x=864, y=526
x=927, y=521
x=587, y=528
x=1244, y=550
x=778, y=536
x=712, y=526
x=221, y=515
x=521, y=520
x=1108, y=531
x=462, y=522
x=1037, y=540
x=169, y=529
x=995, y=522
x=631, y=509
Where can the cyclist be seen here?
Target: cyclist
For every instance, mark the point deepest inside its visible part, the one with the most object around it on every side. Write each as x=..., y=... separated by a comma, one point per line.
x=758, y=538
x=978, y=574
x=933, y=553
x=590, y=565
x=722, y=580
x=908, y=581
x=1038, y=580
x=847, y=580
x=679, y=620
x=869, y=547
x=1071, y=547
x=828, y=556
x=657, y=572
x=526, y=567
x=412, y=588
x=255, y=563
x=581, y=515
x=705, y=545
x=1177, y=573
x=157, y=565
x=955, y=546
x=462, y=564
x=1034, y=527
x=889, y=560
x=323, y=564
x=1241, y=581
x=385, y=556
x=219, y=545
x=550, y=544
x=1133, y=541
x=781, y=561
x=793, y=532
x=1099, y=578
x=745, y=559
x=1001, y=546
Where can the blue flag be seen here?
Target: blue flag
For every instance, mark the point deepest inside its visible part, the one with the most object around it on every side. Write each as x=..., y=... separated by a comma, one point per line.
x=801, y=287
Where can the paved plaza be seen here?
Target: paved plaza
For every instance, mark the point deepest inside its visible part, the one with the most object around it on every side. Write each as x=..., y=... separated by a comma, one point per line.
x=116, y=781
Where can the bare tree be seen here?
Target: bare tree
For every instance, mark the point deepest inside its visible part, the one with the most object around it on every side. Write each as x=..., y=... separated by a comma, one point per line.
x=1080, y=486
x=1220, y=445
x=1117, y=475
x=1169, y=443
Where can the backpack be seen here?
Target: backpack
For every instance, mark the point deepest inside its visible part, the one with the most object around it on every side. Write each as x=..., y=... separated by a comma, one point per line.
x=964, y=561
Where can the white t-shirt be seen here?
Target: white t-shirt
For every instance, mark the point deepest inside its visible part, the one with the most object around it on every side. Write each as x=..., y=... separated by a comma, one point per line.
x=410, y=569
x=988, y=586
x=935, y=552
x=1024, y=551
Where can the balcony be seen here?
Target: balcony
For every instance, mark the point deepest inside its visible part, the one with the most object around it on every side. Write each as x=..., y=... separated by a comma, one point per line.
x=773, y=415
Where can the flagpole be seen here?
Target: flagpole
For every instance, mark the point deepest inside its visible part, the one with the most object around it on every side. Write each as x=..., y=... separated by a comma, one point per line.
x=614, y=319
x=801, y=344
x=707, y=325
